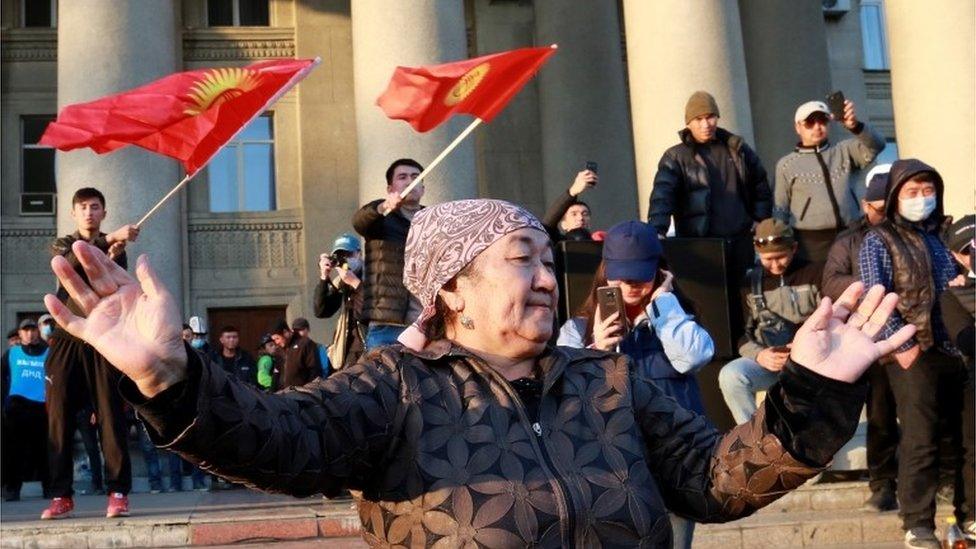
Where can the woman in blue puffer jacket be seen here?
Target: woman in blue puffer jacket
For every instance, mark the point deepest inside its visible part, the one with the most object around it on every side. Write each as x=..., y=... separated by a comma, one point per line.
x=665, y=342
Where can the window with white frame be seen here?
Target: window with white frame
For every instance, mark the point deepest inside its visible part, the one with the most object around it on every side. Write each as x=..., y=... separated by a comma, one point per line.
x=238, y=13
x=242, y=174
x=873, y=36
x=37, y=161
x=39, y=13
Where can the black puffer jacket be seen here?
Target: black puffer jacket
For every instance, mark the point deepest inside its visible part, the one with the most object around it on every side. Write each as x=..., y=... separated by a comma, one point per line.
x=444, y=453
x=385, y=298
x=681, y=186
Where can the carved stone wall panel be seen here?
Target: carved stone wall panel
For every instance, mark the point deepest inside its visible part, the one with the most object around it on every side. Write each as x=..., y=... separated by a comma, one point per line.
x=25, y=251
x=245, y=254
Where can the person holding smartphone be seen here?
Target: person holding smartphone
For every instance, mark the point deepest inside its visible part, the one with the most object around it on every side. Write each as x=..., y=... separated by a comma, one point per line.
x=568, y=217
x=649, y=323
x=815, y=184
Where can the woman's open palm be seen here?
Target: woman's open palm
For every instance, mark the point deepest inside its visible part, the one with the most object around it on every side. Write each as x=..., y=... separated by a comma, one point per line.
x=840, y=344
x=134, y=324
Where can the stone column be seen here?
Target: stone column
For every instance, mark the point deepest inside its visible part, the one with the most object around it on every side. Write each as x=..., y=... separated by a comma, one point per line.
x=105, y=47
x=388, y=34
x=673, y=50
x=583, y=105
x=786, y=55
x=933, y=88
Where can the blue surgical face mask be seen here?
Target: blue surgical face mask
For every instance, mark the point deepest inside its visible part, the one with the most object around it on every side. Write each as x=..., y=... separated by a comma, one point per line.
x=355, y=265
x=46, y=331
x=916, y=209
x=198, y=343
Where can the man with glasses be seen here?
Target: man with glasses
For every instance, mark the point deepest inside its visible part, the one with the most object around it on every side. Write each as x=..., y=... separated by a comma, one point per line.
x=782, y=291
x=815, y=184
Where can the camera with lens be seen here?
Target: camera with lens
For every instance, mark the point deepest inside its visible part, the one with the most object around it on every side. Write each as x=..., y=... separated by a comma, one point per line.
x=340, y=258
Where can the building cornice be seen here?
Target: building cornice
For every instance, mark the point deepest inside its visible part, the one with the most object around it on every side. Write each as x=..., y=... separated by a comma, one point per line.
x=207, y=44
x=238, y=43
x=29, y=44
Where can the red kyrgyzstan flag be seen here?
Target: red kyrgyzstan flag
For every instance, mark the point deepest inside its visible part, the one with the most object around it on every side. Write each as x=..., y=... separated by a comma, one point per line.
x=188, y=116
x=427, y=96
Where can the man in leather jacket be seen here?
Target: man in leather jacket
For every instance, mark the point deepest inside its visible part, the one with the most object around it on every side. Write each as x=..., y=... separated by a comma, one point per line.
x=712, y=183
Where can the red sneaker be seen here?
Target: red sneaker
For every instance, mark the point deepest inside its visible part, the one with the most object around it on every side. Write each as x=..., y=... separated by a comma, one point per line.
x=59, y=508
x=118, y=505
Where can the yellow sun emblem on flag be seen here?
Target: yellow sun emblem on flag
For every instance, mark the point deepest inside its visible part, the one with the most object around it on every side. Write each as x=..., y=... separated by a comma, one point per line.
x=463, y=88
x=220, y=85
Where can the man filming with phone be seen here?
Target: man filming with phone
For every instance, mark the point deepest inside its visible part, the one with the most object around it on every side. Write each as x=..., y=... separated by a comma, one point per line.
x=815, y=184
x=568, y=218
x=780, y=293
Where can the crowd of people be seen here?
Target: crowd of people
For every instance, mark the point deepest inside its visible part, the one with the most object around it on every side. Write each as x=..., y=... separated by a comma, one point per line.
x=423, y=276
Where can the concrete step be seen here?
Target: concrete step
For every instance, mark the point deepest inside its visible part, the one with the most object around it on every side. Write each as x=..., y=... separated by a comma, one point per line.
x=816, y=515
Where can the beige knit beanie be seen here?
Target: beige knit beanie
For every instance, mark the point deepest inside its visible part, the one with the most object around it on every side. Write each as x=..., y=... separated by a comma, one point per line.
x=700, y=102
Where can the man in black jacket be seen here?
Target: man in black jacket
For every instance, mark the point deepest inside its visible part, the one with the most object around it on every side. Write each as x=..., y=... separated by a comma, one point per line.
x=714, y=185
x=569, y=213
x=387, y=305
x=712, y=182
x=233, y=359
x=958, y=305
x=839, y=272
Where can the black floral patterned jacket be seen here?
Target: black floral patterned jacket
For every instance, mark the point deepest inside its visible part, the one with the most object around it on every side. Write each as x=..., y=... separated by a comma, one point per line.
x=440, y=452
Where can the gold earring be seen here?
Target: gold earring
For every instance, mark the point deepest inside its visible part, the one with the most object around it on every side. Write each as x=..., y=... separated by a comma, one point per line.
x=466, y=321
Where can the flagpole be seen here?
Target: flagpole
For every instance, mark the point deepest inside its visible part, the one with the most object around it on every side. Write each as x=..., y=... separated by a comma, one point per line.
x=163, y=200
x=457, y=141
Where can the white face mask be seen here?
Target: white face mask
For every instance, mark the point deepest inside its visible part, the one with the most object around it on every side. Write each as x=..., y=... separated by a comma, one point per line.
x=916, y=209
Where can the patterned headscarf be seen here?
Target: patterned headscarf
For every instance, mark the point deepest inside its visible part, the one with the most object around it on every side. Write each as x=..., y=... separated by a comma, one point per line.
x=443, y=240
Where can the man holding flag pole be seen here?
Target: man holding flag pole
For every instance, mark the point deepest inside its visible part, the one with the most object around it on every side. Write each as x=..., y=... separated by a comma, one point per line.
x=188, y=116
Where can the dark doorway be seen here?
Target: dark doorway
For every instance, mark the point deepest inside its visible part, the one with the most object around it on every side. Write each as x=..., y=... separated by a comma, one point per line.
x=251, y=322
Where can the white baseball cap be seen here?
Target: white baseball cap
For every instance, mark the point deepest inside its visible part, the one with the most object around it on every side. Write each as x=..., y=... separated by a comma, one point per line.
x=808, y=108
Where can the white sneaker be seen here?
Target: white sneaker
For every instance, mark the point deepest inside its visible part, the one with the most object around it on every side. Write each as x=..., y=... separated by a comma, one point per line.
x=922, y=538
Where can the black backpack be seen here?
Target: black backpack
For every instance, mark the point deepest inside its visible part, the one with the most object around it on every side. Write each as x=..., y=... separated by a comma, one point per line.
x=768, y=328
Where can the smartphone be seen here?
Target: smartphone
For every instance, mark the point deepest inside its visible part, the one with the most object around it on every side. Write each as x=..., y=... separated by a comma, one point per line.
x=592, y=166
x=780, y=349
x=835, y=102
x=611, y=300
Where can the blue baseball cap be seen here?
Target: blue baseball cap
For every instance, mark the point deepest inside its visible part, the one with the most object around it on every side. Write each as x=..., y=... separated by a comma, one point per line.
x=346, y=242
x=631, y=251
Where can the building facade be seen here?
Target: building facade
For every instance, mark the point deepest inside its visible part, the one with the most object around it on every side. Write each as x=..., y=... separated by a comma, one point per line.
x=241, y=244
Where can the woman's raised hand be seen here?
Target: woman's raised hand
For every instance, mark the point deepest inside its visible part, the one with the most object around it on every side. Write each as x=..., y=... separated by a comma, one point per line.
x=840, y=344
x=135, y=325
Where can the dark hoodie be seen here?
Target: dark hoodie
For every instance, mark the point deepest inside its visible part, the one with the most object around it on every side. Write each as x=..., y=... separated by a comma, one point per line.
x=909, y=258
